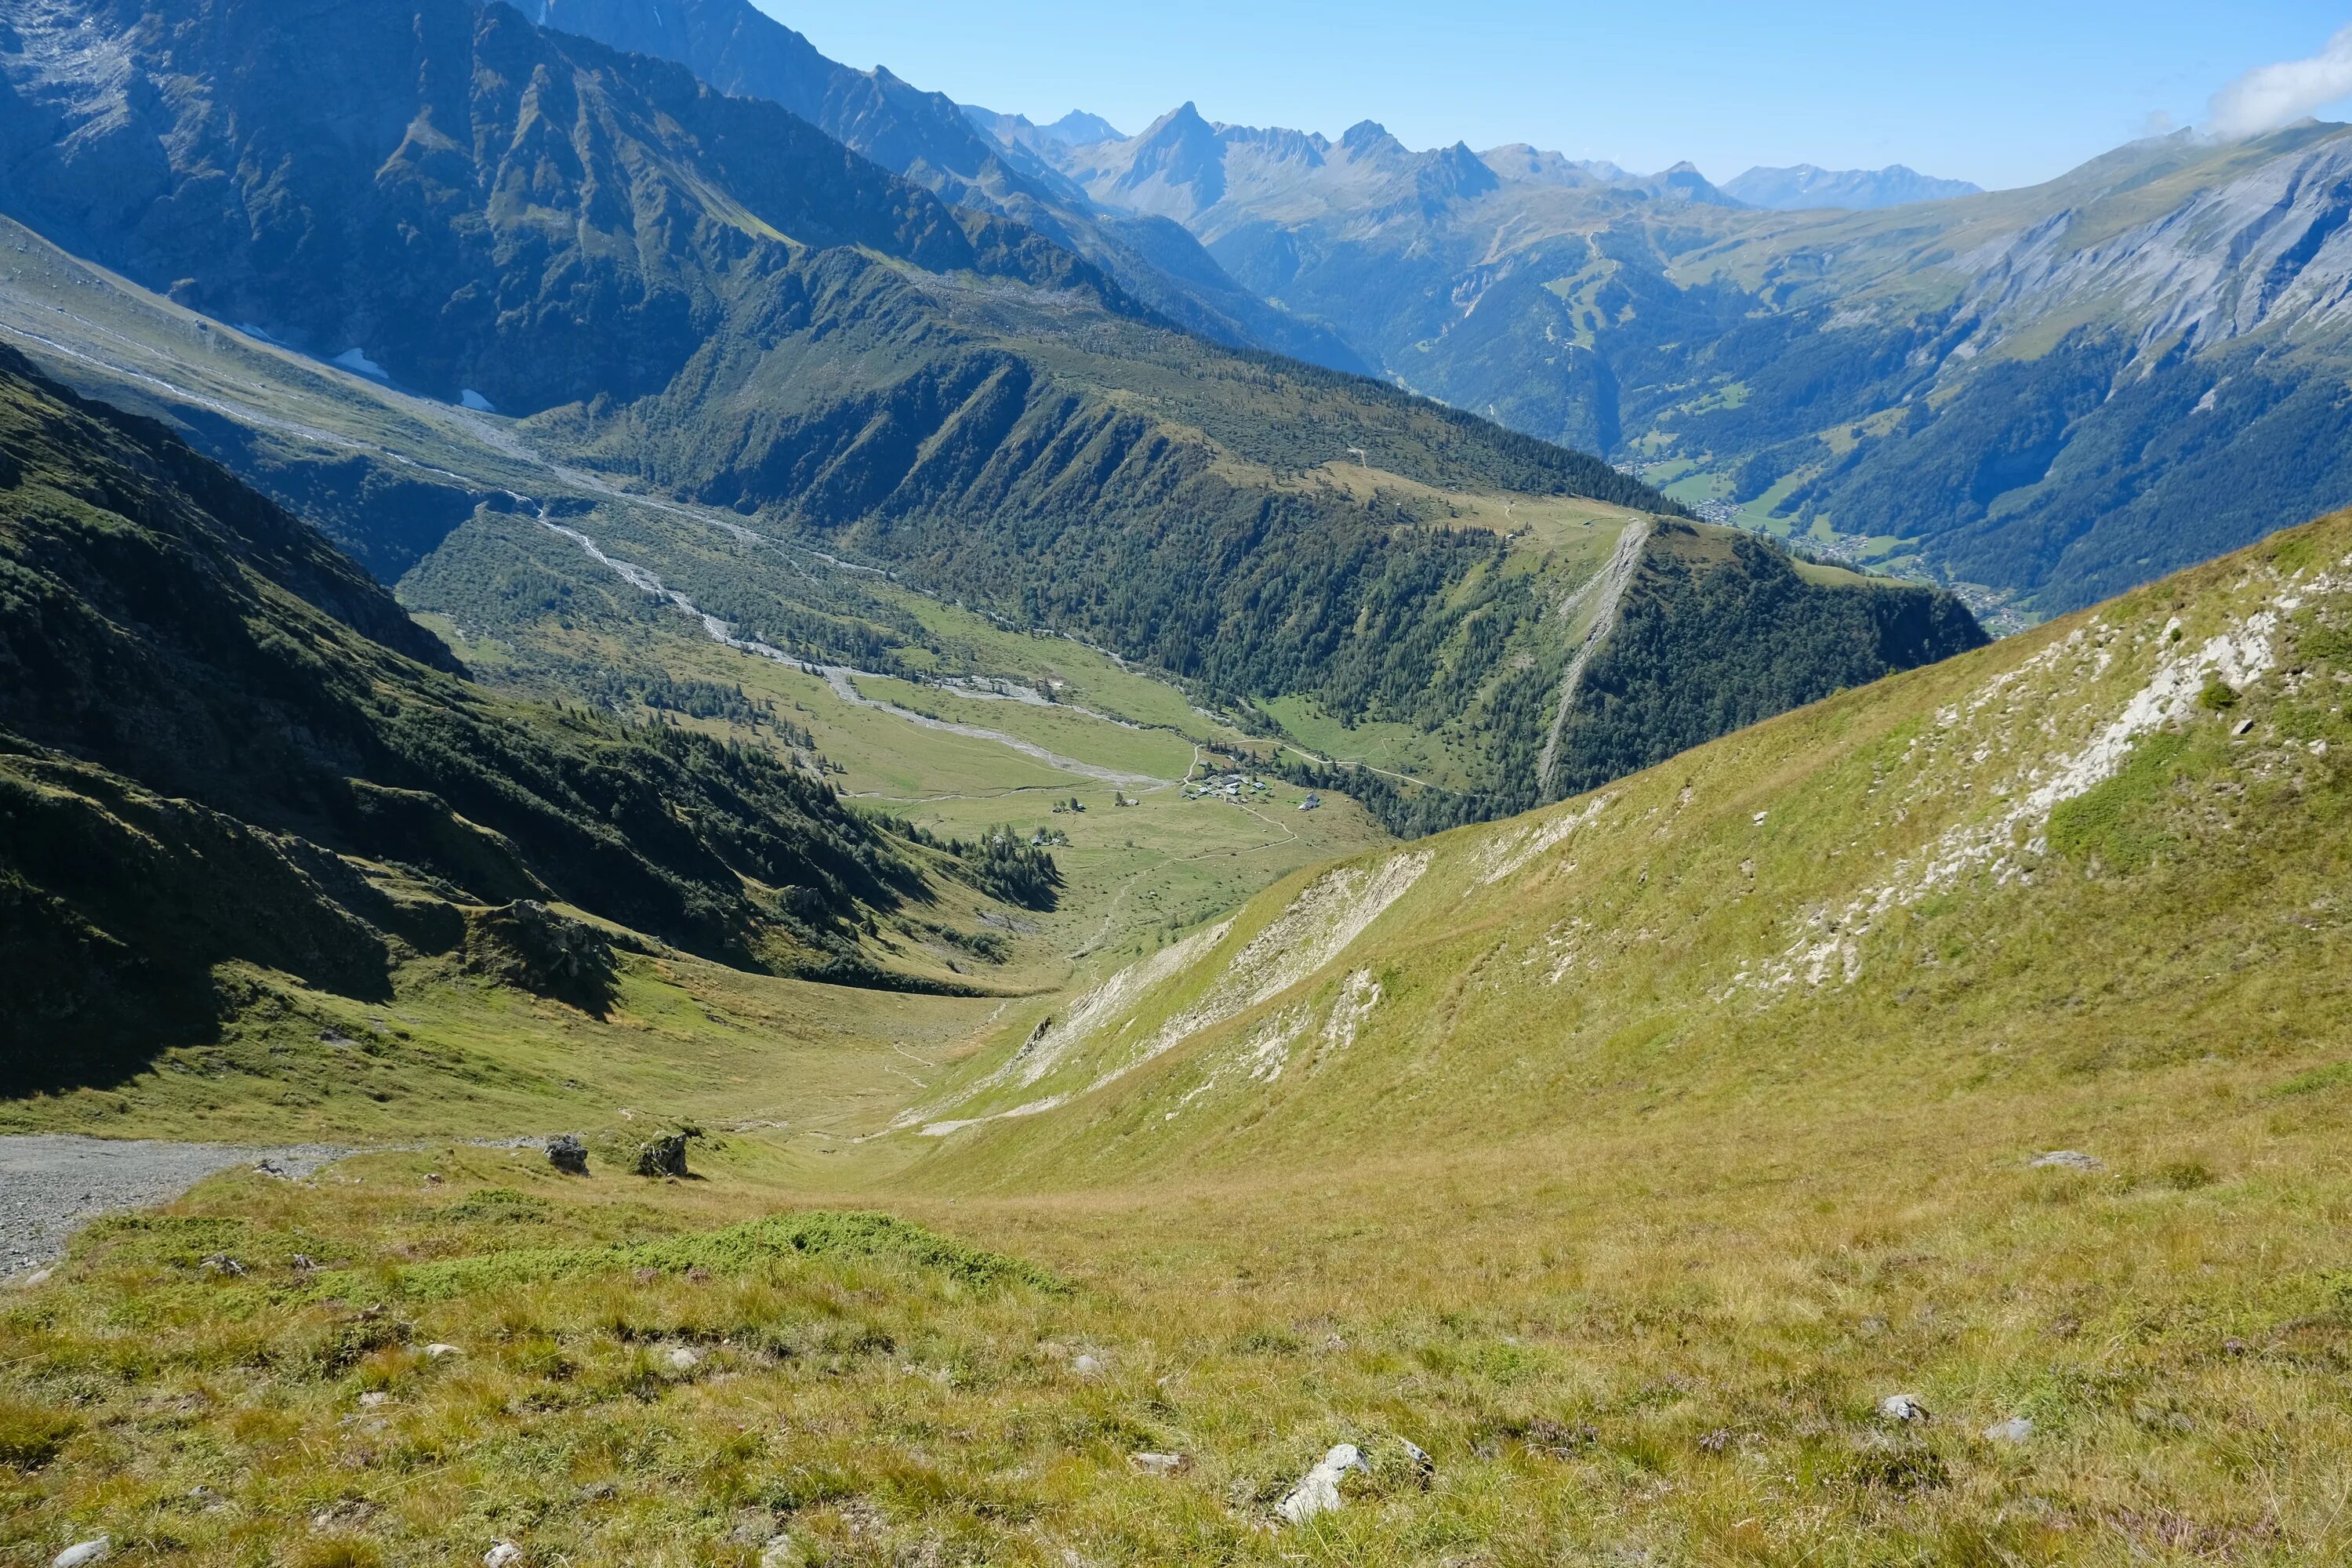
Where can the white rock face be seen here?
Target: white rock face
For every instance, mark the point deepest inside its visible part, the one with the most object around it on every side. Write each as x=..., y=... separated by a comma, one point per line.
x=1317, y=1491
x=96, y=1549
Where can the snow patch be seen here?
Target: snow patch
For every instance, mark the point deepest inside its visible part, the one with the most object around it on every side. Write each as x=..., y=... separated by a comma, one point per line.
x=469, y=399
x=355, y=358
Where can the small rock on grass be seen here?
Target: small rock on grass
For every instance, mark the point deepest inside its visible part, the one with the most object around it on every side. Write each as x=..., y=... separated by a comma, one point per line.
x=1087, y=1366
x=682, y=1358
x=2068, y=1160
x=1152, y=1464
x=1317, y=1491
x=2016, y=1429
x=95, y=1550
x=441, y=1351
x=502, y=1555
x=568, y=1154
x=1902, y=1407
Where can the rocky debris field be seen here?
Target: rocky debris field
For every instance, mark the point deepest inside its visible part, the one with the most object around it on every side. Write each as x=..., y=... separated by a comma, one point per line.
x=51, y=1184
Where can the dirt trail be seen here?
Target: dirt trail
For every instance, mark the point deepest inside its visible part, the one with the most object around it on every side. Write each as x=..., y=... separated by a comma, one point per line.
x=56, y=1184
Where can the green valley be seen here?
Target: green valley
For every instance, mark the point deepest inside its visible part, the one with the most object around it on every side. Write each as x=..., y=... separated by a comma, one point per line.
x=751, y=819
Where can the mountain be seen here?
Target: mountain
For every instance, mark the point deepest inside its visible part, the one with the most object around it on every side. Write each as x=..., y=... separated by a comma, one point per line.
x=1208, y=176
x=1076, y=129
x=924, y=137
x=1219, y=178
x=223, y=744
x=1804, y=186
x=2040, y=395
x=700, y=295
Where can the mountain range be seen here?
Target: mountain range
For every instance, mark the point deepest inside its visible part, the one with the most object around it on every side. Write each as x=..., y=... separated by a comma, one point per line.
x=1805, y=186
x=778, y=328
x=929, y=139
x=2039, y=351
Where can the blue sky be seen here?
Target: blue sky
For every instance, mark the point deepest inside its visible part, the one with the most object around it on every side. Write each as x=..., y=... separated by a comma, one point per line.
x=2004, y=92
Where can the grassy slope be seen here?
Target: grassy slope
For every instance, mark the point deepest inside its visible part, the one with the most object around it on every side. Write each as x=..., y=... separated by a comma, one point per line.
x=1626, y=1230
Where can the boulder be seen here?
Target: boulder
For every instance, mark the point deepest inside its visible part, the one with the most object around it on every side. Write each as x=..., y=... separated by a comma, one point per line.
x=568, y=1154
x=503, y=1554
x=95, y=1550
x=664, y=1156
x=1902, y=1407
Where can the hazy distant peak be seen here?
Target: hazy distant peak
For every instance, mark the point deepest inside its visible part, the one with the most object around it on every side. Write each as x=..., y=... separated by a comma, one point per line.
x=1803, y=185
x=1076, y=129
x=1184, y=119
x=1079, y=129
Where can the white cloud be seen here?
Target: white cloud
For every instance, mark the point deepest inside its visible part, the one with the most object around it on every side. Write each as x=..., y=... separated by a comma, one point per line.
x=2269, y=97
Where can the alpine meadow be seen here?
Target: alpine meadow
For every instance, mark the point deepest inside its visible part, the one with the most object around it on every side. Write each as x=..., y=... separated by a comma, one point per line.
x=749, y=816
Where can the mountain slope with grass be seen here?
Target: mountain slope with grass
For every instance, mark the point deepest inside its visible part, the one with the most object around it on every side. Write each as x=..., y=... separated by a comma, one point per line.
x=2104, y=850
x=226, y=745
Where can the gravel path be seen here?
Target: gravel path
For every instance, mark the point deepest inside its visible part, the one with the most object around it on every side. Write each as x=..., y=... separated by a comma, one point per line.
x=51, y=1185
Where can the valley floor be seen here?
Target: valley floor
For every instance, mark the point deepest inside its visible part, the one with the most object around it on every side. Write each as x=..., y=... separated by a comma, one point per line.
x=1654, y=1338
